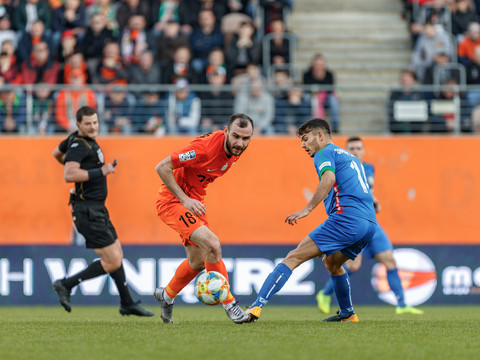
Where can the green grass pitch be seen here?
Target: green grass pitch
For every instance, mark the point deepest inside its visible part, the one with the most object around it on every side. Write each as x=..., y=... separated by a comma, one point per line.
x=201, y=332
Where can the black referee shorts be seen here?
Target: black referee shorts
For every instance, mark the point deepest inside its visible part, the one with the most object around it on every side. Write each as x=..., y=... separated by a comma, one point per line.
x=93, y=222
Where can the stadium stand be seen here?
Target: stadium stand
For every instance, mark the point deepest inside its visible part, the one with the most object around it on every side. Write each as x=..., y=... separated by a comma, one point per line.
x=226, y=50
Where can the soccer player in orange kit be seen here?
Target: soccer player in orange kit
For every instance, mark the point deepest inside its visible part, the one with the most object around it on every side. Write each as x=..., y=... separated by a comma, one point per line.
x=185, y=174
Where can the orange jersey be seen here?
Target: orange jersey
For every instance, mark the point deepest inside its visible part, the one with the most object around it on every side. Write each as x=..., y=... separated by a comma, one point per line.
x=197, y=165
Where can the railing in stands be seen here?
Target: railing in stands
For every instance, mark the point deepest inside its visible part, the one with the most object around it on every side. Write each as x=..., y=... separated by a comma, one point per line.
x=37, y=116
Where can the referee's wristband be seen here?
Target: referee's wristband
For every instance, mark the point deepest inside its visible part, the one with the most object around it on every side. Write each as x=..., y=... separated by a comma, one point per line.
x=95, y=174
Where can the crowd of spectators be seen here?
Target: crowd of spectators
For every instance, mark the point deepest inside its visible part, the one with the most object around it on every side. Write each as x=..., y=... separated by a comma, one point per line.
x=446, y=61
x=113, y=44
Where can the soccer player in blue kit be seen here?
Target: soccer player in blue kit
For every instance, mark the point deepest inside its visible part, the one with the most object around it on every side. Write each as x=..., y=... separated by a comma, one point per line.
x=349, y=228
x=379, y=248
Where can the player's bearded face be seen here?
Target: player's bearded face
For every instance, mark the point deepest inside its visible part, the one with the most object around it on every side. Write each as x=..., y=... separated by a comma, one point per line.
x=237, y=140
x=88, y=127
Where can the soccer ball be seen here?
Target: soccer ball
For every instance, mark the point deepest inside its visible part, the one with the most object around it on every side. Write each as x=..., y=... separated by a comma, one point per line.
x=211, y=288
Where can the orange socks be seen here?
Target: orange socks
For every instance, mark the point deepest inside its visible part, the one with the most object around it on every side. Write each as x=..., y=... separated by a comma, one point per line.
x=220, y=267
x=182, y=278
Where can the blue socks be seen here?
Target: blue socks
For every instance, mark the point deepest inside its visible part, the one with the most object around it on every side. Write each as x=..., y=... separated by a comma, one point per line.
x=273, y=284
x=341, y=285
x=393, y=281
x=328, y=289
x=396, y=286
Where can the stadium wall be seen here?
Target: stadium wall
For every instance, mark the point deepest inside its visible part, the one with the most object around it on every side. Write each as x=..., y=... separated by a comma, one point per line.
x=427, y=187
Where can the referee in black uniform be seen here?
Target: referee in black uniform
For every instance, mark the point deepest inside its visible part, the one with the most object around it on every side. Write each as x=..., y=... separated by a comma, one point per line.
x=85, y=165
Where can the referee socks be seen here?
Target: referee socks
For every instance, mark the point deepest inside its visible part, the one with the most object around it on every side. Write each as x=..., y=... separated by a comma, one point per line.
x=92, y=271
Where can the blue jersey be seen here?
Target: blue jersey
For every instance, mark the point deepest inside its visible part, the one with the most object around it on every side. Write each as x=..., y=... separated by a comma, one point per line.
x=350, y=195
x=369, y=173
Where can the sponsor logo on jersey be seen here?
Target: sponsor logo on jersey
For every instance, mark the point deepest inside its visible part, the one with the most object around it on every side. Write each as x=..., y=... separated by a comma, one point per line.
x=322, y=165
x=74, y=145
x=417, y=274
x=224, y=167
x=187, y=156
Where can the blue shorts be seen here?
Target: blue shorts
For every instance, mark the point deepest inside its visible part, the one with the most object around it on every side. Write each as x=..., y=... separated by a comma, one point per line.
x=344, y=233
x=378, y=244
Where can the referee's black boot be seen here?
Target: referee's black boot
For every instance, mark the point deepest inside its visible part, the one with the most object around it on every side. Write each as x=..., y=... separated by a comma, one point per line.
x=63, y=294
x=134, y=309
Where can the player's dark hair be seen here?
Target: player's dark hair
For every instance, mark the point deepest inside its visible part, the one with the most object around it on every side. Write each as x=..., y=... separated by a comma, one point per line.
x=85, y=111
x=243, y=120
x=312, y=124
x=354, y=138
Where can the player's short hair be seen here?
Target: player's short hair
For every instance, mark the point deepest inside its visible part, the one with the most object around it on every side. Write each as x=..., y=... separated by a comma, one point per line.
x=85, y=111
x=354, y=138
x=243, y=120
x=312, y=124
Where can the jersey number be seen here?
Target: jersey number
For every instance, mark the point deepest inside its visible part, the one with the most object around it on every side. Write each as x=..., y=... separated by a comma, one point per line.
x=187, y=219
x=361, y=176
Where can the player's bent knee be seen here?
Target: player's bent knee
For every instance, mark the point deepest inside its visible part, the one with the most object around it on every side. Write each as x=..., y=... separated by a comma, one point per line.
x=328, y=266
x=112, y=264
x=324, y=260
x=354, y=267
x=197, y=265
x=118, y=263
x=213, y=247
x=332, y=267
x=390, y=264
x=213, y=255
x=108, y=267
x=117, y=259
x=387, y=259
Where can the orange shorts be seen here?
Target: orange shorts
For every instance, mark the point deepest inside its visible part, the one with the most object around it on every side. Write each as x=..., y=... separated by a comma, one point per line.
x=181, y=220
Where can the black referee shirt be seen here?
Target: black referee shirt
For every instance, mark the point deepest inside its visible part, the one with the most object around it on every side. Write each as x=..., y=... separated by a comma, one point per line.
x=88, y=154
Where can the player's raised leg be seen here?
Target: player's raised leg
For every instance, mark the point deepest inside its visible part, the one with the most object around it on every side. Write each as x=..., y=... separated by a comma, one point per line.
x=305, y=251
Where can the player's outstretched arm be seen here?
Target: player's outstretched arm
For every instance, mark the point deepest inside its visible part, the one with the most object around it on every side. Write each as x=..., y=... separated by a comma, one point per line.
x=58, y=155
x=165, y=169
x=326, y=183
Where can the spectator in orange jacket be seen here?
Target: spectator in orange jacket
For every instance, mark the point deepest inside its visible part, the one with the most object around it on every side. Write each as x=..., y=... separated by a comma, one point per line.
x=467, y=45
x=69, y=100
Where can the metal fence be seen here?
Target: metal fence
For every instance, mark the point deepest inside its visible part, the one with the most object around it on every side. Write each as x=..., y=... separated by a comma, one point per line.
x=166, y=110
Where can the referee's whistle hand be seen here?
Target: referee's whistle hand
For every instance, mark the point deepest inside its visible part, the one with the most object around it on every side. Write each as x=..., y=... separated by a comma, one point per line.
x=108, y=168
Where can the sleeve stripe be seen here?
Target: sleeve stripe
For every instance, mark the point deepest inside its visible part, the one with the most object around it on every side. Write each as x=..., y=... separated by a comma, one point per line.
x=327, y=168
